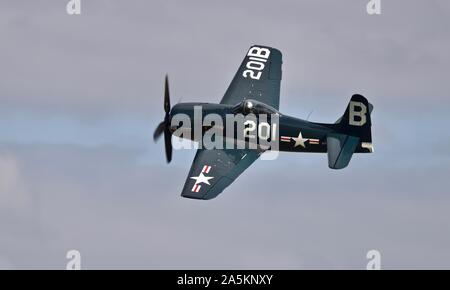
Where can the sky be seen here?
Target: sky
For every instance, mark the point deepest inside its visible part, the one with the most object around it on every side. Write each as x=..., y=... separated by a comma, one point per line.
x=81, y=95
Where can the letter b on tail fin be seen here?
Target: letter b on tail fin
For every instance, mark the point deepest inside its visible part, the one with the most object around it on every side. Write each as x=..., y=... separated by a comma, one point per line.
x=356, y=119
x=357, y=113
x=352, y=133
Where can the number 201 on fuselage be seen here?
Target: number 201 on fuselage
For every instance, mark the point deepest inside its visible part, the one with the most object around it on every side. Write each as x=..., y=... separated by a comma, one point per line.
x=265, y=130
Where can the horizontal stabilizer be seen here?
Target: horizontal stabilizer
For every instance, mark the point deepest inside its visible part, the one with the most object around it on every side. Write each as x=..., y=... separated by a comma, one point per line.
x=340, y=149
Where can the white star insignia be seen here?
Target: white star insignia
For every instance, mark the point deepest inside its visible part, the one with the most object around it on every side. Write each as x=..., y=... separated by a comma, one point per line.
x=202, y=178
x=300, y=141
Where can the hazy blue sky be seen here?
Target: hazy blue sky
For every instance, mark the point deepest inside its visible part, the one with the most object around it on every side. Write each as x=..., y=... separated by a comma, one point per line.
x=80, y=97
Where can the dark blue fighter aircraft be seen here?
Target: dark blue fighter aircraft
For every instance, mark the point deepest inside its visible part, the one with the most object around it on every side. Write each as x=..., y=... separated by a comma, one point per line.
x=255, y=89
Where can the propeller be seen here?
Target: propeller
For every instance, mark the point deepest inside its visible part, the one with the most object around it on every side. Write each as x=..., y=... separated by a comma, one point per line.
x=164, y=126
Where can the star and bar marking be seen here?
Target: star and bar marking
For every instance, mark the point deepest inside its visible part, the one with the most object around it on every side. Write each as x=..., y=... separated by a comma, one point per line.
x=201, y=178
x=299, y=140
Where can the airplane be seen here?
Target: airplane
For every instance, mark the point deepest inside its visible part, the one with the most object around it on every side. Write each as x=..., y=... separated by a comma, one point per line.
x=255, y=89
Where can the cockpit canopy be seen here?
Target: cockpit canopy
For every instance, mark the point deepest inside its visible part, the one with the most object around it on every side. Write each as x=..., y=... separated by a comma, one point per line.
x=254, y=107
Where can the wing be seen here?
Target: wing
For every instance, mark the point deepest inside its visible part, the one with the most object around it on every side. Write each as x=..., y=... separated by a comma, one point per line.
x=258, y=78
x=213, y=170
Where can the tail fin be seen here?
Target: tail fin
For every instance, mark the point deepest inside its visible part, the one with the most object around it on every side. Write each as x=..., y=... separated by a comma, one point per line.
x=356, y=119
x=353, y=133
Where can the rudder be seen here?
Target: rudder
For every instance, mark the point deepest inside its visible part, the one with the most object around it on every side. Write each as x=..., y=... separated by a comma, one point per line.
x=356, y=119
x=353, y=133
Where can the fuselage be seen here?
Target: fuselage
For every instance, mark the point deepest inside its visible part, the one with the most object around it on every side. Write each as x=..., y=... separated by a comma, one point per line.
x=291, y=134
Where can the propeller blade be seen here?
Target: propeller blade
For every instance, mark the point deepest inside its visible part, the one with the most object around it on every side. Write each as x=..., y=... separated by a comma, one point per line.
x=164, y=126
x=158, y=131
x=166, y=96
x=168, y=143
